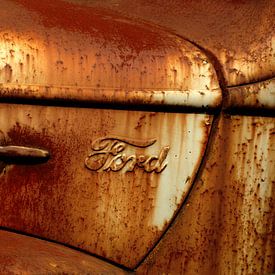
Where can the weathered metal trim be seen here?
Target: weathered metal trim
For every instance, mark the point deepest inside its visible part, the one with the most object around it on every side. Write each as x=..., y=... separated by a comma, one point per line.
x=12, y=151
x=257, y=96
x=197, y=99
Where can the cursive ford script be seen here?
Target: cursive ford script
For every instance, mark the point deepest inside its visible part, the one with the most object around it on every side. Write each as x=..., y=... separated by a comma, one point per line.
x=108, y=154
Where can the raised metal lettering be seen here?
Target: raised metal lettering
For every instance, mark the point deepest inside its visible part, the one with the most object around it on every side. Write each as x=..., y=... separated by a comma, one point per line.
x=108, y=154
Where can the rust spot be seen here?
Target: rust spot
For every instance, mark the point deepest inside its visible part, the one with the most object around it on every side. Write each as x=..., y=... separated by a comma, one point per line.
x=93, y=21
x=8, y=72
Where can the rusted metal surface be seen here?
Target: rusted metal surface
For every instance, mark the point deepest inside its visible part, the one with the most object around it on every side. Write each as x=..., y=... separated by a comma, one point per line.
x=80, y=53
x=200, y=100
x=239, y=35
x=115, y=178
x=26, y=255
x=258, y=96
x=114, y=181
x=227, y=224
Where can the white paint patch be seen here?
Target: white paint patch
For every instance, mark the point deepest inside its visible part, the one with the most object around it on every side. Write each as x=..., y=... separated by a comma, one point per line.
x=186, y=140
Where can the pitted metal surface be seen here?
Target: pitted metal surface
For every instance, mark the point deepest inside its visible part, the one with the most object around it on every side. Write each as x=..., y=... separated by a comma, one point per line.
x=146, y=169
x=227, y=224
x=95, y=55
x=114, y=181
x=239, y=35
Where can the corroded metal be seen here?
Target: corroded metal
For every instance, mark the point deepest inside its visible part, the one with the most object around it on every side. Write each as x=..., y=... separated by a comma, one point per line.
x=95, y=56
x=21, y=254
x=227, y=225
x=141, y=164
x=117, y=215
x=237, y=35
x=108, y=154
x=2, y=142
x=89, y=55
x=254, y=97
x=200, y=99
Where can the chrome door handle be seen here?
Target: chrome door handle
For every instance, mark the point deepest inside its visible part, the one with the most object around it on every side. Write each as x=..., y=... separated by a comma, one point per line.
x=12, y=154
x=20, y=152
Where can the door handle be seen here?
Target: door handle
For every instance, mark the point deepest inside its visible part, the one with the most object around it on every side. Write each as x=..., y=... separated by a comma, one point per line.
x=11, y=152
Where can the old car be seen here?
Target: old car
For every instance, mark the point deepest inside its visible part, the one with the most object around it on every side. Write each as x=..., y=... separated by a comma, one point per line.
x=137, y=136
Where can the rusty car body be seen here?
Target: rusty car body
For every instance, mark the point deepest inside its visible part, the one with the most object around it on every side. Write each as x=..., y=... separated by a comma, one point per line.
x=137, y=136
